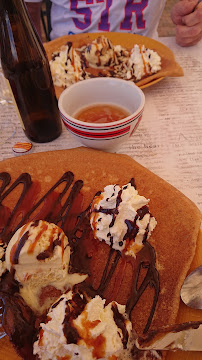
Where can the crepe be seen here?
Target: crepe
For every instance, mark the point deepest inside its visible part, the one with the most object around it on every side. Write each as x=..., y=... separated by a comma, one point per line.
x=174, y=238
x=169, y=66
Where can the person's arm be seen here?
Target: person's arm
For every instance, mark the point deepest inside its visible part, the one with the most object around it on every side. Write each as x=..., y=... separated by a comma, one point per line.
x=187, y=16
x=34, y=9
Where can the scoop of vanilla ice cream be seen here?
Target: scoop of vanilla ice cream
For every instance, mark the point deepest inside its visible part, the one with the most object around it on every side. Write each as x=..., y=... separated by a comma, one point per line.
x=39, y=253
x=77, y=329
x=120, y=217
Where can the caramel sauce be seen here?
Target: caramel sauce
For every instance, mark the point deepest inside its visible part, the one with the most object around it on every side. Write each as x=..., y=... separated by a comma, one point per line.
x=101, y=113
x=49, y=251
x=98, y=343
x=41, y=337
x=34, y=243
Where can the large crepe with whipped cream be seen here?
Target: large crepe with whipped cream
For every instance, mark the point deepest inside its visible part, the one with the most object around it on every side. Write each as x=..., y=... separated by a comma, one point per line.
x=169, y=66
x=174, y=239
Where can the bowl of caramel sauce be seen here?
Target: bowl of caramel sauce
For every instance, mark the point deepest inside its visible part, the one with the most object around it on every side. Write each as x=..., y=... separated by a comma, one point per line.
x=102, y=113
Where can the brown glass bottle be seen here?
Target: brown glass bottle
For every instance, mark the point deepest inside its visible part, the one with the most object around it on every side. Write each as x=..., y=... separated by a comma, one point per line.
x=26, y=67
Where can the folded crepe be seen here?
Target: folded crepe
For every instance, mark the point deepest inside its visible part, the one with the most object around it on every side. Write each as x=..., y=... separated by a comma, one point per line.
x=174, y=239
x=169, y=66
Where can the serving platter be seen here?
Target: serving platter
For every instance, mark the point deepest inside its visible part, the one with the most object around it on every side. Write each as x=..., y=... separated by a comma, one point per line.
x=153, y=82
x=169, y=65
x=110, y=166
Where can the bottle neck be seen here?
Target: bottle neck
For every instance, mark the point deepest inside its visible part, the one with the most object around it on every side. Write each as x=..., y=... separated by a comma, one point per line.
x=19, y=41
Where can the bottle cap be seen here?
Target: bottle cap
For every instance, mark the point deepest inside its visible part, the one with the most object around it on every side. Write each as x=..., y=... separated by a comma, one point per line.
x=21, y=148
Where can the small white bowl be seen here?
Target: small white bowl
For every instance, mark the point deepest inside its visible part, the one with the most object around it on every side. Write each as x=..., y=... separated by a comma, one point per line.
x=102, y=136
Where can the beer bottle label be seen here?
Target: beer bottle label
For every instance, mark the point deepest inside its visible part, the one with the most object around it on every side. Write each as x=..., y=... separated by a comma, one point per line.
x=14, y=102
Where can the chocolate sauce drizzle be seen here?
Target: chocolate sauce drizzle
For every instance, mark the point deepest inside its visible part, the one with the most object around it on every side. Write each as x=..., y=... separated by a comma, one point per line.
x=58, y=212
x=59, y=218
x=74, y=308
x=120, y=323
x=5, y=177
x=151, y=279
x=108, y=271
x=24, y=179
x=19, y=247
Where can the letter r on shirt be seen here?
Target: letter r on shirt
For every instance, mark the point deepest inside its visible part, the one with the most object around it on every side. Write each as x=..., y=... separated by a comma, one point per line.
x=137, y=8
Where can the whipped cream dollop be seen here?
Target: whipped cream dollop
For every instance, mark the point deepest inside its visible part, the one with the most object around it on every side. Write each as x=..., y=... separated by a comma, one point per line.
x=142, y=61
x=69, y=64
x=120, y=217
x=66, y=67
x=86, y=330
x=100, y=53
x=39, y=254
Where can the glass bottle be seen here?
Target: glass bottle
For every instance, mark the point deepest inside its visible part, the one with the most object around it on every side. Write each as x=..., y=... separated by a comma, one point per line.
x=26, y=67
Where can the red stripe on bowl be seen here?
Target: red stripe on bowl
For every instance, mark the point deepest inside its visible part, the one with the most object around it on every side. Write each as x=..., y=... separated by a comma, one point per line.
x=136, y=125
x=97, y=125
x=94, y=130
x=98, y=135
